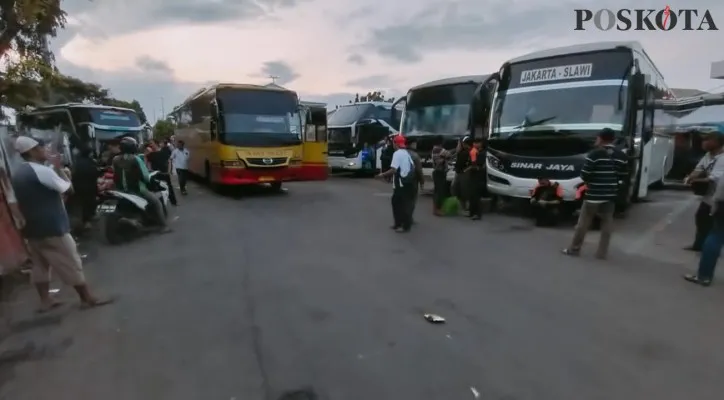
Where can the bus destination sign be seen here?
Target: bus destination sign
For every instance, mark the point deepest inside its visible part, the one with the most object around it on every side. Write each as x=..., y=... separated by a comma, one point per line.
x=559, y=73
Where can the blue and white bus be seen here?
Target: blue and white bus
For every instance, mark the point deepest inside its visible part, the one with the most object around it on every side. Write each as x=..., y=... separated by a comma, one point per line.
x=548, y=107
x=350, y=128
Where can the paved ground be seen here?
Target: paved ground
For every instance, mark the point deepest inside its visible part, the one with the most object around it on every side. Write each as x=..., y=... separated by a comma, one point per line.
x=255, y=296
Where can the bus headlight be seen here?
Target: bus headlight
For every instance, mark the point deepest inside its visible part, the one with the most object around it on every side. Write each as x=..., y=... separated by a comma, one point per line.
x=494, y=162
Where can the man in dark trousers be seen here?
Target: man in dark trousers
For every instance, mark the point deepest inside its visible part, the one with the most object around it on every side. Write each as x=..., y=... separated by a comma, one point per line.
x=709, y=170
x=606, y=167
x=460, y=186
x=386, y=154
x=546, y=200
x=404, y=181
x=159, y=160
x=474, y=170
x=85, y=184
x=440, y=161
x=417, y=162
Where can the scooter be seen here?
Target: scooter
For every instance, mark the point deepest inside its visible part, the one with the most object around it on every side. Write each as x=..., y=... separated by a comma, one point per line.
x=128, y=216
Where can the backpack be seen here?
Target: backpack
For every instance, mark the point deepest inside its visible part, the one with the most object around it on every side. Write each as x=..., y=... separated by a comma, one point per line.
x=410, y=180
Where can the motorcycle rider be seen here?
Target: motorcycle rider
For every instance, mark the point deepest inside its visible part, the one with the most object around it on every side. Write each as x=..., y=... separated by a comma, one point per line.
x=131, y=175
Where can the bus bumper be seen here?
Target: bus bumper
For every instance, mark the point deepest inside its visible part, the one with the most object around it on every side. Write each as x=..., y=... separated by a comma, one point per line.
x=502, y=184
x=345, y=164
x=248, y=176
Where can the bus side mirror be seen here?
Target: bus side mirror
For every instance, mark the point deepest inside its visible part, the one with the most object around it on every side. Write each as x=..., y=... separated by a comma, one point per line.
x=214, y=110
x=396, y=112
x=637, y=84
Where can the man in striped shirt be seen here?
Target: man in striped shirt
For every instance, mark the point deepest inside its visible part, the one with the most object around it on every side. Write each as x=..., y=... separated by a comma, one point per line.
x=605, y=170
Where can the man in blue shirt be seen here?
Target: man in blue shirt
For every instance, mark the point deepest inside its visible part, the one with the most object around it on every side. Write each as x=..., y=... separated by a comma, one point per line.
x=39, y=190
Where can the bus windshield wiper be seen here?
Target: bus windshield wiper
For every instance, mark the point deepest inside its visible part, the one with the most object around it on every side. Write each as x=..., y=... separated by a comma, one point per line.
x=528, y=124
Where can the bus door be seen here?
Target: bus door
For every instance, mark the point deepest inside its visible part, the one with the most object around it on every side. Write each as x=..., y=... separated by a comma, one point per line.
x=647, y=145
x=314, y=145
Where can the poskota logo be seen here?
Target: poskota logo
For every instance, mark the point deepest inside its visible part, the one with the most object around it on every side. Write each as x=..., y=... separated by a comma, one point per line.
x=631, y=19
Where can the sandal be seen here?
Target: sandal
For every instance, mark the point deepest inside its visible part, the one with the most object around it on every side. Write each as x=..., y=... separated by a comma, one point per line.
x=97, y=303
x=571, y=252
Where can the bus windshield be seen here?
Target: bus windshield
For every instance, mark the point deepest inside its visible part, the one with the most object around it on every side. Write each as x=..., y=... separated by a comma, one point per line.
x=347, y=115
x=547, y=109
x=442, y=110
x=116, y=118
x=250, y=115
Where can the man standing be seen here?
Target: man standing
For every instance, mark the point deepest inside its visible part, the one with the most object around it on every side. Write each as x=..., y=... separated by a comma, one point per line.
x=39, y=190
x=703, y=180
x=417, y=164
x=440, y=160
x=604, y=170
x=158, y=159
x=475, y=178
x=403, y=183
x=462, y=157
x=85, y=185
x=180, y=161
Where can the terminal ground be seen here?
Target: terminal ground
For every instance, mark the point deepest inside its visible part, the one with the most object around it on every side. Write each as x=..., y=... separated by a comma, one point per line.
x=258, y=295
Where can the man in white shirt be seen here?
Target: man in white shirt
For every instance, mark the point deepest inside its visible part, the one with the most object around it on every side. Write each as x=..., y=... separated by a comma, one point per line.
x=180, y=162
x=709, y=170
x=403, y=185
x=39, y=190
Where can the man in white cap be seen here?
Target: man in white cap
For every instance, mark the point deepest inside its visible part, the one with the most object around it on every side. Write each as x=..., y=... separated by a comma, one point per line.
x=39, y=190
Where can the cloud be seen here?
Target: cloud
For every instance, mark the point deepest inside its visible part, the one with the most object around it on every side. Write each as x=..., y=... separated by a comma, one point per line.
x=373, y=82
x=280, y=71
x=112, y=18
x=327, y=50
x=149, y=64
x=356, y=59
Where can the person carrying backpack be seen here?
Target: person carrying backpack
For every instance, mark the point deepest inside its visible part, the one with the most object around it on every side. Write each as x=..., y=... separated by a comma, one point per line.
x=404, y=183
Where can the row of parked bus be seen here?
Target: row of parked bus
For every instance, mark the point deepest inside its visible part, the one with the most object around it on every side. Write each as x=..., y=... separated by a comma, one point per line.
x=540, y=114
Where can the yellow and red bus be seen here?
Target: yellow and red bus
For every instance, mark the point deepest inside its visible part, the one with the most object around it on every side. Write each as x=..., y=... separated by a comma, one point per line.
x=241, y=134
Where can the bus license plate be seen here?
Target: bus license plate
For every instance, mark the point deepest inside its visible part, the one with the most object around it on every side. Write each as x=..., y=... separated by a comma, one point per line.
x=266, y=179
x=106, y=208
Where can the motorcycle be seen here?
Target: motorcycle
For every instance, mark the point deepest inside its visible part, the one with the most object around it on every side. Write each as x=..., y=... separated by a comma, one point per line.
x=127, y=216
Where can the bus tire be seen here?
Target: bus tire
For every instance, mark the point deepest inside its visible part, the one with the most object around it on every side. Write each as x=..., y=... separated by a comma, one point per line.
x=276, y=186
x=207, y=177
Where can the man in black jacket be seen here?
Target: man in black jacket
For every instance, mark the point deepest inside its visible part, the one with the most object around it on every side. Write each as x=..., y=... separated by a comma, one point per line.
x=605, y=169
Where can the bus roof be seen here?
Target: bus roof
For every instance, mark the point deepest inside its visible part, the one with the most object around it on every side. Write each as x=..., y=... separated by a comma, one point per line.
x=75, y=105
x=453, y=81
x=585, y=48
x=374, y=103
x=237, y=86
x=577, y=48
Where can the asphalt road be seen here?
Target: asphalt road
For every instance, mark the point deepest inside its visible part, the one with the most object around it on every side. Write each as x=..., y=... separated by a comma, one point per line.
x=255, y=296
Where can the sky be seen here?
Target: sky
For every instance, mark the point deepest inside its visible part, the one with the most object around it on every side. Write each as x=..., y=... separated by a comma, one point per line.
x=160, y=51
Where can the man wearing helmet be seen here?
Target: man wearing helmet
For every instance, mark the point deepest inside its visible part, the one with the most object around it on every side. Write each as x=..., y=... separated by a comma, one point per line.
x=131, y=175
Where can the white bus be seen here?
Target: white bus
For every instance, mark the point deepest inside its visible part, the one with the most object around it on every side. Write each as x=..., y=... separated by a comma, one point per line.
x=439, y=108
x=548, y=106
x=352, y=126
x=71, y=125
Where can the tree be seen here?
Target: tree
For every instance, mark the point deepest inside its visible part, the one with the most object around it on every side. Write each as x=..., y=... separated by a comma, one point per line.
x=370, y=96
x=27, y=25
x=163, y=129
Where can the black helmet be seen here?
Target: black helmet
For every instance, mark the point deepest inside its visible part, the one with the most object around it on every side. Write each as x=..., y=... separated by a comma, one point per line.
x=129, y=145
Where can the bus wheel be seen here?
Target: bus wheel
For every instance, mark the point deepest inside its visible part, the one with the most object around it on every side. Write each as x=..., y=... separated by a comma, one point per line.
x=276, y=186
x=207, y=177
